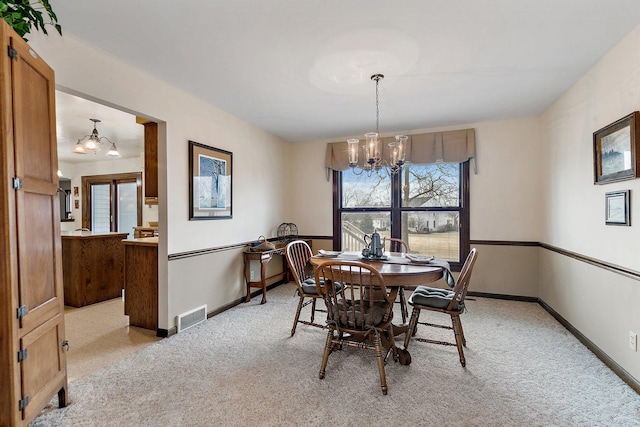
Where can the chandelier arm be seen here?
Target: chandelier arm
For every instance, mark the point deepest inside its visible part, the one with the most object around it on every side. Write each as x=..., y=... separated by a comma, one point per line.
x=93, y=141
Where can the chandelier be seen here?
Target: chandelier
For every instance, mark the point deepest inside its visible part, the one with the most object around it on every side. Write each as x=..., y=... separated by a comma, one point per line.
x=91, y=143
x=372, y=148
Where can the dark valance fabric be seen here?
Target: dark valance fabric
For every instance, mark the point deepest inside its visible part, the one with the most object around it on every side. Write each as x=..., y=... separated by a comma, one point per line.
x=455, y=146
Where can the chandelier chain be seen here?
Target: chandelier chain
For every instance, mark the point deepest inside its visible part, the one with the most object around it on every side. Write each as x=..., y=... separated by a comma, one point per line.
x=377, y=106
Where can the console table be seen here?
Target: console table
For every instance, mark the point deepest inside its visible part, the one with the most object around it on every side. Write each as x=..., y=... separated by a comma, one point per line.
x=264, y=258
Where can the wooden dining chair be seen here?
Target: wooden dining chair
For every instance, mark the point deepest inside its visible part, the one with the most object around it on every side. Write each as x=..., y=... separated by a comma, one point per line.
x=298, y=254
x=398, y=245
x=395, y=245
x=359, y=313
x=450, y=302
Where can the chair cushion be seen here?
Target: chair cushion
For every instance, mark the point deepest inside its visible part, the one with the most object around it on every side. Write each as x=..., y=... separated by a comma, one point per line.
x=309, y=286
x=350, y=314
x=434, y=297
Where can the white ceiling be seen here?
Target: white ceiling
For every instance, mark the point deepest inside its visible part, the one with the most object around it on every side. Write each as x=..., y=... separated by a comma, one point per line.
x=72, y=123
x=301, y=69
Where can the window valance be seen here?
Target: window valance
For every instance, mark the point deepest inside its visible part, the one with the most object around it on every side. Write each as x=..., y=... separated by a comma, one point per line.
x=455, y=146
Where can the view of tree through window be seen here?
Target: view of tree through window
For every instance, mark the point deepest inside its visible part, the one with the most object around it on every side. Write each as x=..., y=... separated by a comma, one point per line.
x=422, y=205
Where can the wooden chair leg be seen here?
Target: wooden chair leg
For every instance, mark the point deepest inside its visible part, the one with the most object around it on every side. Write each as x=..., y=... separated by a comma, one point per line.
x=313, y=309
x=295, y=320
x=403, y=305
x=457, y=330
x=327, y=351
x=413, y=324
x=383, y=377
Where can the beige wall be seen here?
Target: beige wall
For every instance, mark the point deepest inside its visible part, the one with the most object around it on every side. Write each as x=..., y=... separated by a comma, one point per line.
x=505, y=200
x=260, y=193
x=602, y=305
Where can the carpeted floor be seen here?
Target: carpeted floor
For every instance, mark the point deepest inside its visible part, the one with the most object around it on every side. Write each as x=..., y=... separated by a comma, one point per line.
x=241, y=368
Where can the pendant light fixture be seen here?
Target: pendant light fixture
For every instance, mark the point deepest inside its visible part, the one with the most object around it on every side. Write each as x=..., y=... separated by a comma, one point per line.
x=372, y=148
x=93, y=141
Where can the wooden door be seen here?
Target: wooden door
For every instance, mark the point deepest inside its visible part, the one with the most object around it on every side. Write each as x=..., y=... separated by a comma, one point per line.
x=38, y=263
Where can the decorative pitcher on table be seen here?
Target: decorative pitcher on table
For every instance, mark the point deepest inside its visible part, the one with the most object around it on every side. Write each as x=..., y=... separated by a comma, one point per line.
x=373, y=248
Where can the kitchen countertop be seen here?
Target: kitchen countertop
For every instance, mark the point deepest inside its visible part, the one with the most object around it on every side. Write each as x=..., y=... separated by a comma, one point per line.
x=142, y=241
x=88, y=234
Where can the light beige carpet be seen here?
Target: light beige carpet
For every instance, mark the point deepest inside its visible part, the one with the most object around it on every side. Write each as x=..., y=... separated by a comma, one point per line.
x=241, y=368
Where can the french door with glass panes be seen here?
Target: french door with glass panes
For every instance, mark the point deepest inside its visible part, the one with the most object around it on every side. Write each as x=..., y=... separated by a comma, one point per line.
x=112, y=203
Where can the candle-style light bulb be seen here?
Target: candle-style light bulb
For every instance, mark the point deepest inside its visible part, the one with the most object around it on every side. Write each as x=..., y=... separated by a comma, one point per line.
x=353, y=151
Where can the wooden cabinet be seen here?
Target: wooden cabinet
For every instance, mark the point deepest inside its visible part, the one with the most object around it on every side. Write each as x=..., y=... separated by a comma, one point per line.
x=93, y=267
x=141, y=282
x=32, y=336
x=150, y=163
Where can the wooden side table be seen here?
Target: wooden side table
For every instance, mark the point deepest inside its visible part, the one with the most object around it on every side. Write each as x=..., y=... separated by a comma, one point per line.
x=264, y=258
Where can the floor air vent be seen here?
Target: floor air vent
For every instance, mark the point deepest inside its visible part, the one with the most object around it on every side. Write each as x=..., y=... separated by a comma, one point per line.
x=191, y=318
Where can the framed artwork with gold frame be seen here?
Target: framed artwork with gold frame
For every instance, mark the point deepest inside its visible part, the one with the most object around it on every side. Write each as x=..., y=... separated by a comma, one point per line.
x=210, y=176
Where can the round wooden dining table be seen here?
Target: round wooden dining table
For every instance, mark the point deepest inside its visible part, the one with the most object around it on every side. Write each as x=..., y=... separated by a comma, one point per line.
x=397, y=271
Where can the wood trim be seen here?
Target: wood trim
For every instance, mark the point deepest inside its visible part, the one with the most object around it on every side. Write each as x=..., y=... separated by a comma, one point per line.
x=604, y=357
x=215, y=249
x=310, y=237
x=599, y=263
x=503, y=243
x=624, y=271
x=465, y=216
x=198, y=252
x=337, y=197
x=627, y=272
x=502, y=296
x=112, y=180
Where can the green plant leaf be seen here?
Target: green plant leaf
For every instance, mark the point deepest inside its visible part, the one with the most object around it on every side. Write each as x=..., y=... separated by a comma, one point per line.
x=25, y=15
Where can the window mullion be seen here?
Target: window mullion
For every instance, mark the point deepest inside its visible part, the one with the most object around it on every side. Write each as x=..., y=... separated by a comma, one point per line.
x=396, y=214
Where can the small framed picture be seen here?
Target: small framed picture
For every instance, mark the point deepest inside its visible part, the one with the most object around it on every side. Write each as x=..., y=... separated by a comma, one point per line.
x=75, y=191
x=617, y=208
x=76, y=204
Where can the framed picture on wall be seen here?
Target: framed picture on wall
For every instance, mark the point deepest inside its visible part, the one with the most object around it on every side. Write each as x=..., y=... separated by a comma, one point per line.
x=210, y=172
x=616, y=209
x=615, y=150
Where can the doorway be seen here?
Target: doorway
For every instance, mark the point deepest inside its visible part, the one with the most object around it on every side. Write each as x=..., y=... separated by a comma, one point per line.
x=99, y=334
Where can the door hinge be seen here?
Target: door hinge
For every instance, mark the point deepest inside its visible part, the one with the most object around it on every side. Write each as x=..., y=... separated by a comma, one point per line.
x=22, y=311
x=13, y=54
x=17, y=183
x=22, y=354
x=22, y=403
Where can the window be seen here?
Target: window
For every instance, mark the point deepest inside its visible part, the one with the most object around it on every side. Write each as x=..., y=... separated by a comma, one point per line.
x=112, y=202
x=427, y=206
